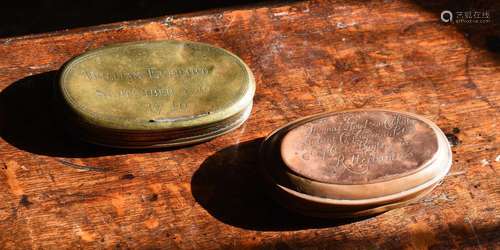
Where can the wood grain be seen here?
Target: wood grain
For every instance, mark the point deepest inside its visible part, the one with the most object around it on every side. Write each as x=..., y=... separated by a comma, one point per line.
x=307, y=57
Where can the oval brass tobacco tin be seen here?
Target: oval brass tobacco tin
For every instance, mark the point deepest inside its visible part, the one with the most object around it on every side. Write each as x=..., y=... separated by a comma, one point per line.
x=155, y=93
x=354, y=163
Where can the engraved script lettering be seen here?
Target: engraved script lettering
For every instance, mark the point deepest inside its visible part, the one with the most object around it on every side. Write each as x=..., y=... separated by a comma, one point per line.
x=359, y=146
x=366, y=140
x=148, y=73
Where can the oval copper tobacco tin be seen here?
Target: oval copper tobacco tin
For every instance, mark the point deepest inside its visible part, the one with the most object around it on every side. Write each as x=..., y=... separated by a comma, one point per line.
x=354, y=163
x=155, y=94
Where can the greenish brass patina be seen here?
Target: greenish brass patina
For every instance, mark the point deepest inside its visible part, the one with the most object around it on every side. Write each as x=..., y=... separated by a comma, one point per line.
x=156, y=87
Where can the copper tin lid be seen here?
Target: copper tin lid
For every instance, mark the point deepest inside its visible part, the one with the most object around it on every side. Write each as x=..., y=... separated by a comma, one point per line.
x=155, y=93
x=354, y=163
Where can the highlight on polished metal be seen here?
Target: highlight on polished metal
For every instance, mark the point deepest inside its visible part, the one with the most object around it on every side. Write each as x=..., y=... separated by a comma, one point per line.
x=155, y=94
x=354, y=163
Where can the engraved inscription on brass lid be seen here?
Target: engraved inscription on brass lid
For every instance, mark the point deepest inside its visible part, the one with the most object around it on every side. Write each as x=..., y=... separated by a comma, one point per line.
x=359, y=147
x=156, y=85
x=155, y=94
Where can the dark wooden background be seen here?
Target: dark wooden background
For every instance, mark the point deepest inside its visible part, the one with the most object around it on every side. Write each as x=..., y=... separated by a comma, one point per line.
x=307, y=57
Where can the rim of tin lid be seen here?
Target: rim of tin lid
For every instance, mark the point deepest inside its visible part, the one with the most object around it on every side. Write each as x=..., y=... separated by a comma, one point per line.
x=322, y=210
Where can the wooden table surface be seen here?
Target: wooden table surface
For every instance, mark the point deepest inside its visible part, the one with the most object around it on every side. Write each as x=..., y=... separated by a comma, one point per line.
x=307, y=57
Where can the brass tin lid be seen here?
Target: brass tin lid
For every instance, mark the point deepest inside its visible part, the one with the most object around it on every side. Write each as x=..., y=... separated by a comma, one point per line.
x=355, y=162
x=155, y=93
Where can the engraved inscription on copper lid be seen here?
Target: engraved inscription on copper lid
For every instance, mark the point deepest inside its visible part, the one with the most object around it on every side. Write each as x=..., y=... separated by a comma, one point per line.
x=359, y=147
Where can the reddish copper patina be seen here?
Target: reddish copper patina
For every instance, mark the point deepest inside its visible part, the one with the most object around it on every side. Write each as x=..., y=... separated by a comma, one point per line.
x=359, y=147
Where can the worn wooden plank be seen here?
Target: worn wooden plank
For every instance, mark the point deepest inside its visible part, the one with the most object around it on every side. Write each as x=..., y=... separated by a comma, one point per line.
x=307, y=57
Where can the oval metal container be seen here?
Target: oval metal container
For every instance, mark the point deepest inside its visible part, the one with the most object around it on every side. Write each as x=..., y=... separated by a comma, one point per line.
x=155, y=94
x=354, y=163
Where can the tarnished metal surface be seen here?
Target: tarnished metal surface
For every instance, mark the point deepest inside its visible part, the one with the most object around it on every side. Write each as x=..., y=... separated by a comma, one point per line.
x=148, y=88
x=359, y=147
x=354, y=163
